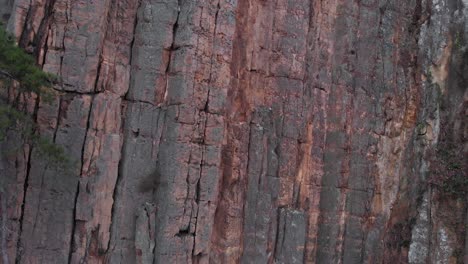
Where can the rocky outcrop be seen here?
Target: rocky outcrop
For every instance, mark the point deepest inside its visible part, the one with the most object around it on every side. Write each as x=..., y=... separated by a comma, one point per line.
x=241, y=131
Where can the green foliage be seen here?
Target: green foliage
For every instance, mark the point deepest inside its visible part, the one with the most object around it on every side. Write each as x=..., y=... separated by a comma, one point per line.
x=421, y=128
x=458, y=41
x=16, y=65
x=54, y=154
x=20, y=66
x=12, y=118
x=456, y=186
x=429, y=76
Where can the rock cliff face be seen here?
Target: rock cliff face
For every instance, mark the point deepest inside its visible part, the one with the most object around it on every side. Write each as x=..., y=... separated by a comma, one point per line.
x=242, y=131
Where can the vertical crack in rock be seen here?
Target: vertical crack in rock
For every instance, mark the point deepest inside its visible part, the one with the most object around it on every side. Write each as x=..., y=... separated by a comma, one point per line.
x=291, y=236
x=43, y=32
x=132, y=43
x=124, y=108
x=74, y=223
x=19, y=247
x=73, y=241
x=25, y=189
x=215, y=42
x=172, y=48
x=87, y=128
x=22, y=37
x=144, y=236
x=4, y=230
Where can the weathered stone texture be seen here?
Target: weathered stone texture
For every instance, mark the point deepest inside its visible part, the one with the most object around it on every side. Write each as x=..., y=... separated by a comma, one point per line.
x=238, y=131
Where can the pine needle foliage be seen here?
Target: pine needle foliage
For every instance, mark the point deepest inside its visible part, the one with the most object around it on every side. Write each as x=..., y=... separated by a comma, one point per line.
x=19, y=67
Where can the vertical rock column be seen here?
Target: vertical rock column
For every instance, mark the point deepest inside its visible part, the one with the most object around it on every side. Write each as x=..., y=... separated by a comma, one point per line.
x=174, y=129
x=67, y=212
x=266, y=132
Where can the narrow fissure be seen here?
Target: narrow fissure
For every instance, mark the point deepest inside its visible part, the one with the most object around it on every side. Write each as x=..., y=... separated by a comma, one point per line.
x=173, y=47
x=72, y=244
x=218, y=7
x=22, y=40
x=70, y=254
x=59, y=117
x=40, y=39
x=132, y=43
x=3, y=218
x=26, y=185
x=83, y=147
x=198, y=187
x=187, y=182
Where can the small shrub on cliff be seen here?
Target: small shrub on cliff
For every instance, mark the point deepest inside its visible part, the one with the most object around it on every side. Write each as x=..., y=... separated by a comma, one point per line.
x=16, y=66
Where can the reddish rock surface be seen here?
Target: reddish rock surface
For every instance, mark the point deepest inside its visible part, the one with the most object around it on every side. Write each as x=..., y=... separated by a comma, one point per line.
x=240, y=131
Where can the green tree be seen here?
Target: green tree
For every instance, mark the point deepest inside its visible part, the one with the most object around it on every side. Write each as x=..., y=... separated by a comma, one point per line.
x=19, y=67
